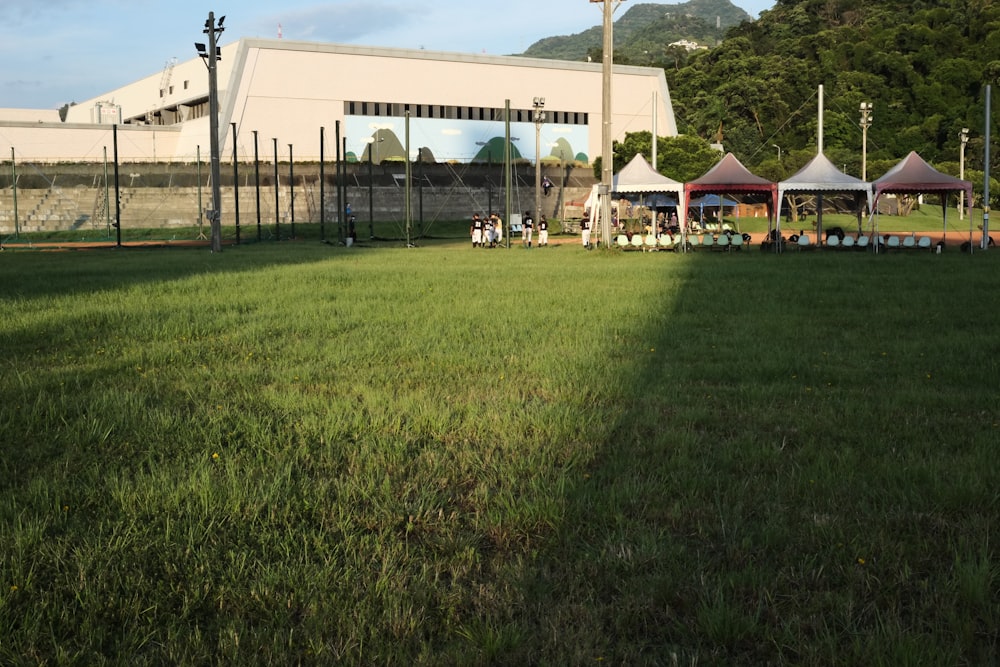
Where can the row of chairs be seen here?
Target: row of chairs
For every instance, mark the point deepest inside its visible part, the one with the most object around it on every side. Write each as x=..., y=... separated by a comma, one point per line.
x=863, y=242
x=647, y=242
x=720, y=242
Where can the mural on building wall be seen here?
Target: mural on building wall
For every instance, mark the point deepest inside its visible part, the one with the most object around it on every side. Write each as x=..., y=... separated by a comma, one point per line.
x=449, y=140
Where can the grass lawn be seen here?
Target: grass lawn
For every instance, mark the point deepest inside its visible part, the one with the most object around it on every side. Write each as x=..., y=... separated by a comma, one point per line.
x=298, y=453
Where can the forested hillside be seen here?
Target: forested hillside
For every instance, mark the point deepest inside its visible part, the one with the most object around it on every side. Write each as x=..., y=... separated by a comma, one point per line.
x=923, y=64
x=644, y=31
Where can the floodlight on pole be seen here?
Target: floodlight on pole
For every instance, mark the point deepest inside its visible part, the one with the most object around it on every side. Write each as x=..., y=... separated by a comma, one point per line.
x=211, y=55
x=964, y=138
x=866, y=121
x=539, y=117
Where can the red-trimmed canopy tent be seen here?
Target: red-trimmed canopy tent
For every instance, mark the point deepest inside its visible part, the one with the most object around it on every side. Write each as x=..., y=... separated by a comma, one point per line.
x=730, y=177
x=912, y=175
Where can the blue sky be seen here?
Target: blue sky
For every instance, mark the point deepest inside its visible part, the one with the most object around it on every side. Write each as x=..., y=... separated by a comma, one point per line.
x=58, y=51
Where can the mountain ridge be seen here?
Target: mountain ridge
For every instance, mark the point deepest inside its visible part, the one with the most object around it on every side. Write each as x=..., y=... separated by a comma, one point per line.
x=648, y=26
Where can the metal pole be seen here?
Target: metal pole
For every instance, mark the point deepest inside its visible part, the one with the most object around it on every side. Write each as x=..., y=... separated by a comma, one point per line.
x=213, y=113
x=654, y=139
x=964, y=138
x=236, y=187
x=343, y=181
x=984, y=243
x=13, y=185
x=371, y=200
x=866, y=121
x=107, y=197
x=291, y=189
x=118, y=198
x=277, y=217
x=539, y=118
x=409, y=185
x=508, y=197
x=322, y=207
x=340, y=194
x=420, y=192
x=256, y=178
x=201, y=211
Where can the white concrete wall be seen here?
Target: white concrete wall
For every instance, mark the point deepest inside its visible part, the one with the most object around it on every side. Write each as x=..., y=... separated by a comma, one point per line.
x=29, y=115
x=74, y=142
x=289, y=90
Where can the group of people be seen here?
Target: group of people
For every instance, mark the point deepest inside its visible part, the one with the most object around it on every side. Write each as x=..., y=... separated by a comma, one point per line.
x=528, y=229
x=486, y=231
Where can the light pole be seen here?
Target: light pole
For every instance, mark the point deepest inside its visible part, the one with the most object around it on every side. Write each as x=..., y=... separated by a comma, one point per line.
x=866, y=122
x=236, y=186
x=964, y=137
x=256, y=178
x=211, y=57
x=373, y=142
x=779, y=152
x=539, y=117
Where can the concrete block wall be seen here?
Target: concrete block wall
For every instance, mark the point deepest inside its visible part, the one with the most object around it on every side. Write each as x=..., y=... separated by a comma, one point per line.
x=79, y=207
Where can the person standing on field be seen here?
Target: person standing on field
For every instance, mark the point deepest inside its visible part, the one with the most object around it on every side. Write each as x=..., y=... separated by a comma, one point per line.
x=585, y=231
x=488, y=226
x=476, y=230
x=543, y=231
x=527, y=227
x=497, y=229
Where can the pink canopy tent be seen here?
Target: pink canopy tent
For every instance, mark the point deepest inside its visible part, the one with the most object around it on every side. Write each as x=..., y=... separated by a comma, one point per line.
x=730, y=177
x=912, y=175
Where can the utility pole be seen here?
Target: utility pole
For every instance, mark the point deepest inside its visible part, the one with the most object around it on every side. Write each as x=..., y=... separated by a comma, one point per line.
x=211, y=57
x=607, y=155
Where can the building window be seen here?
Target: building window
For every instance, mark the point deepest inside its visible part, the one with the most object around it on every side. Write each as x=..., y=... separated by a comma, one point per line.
x=400, y=109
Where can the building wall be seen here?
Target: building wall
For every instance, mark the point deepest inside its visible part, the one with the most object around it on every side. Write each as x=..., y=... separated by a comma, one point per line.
x=292, y=91
x=30, y=115
x=77, y=142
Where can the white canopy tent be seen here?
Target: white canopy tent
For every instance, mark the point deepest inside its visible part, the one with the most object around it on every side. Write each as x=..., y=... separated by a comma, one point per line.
x=639, y=177
x=821, y=176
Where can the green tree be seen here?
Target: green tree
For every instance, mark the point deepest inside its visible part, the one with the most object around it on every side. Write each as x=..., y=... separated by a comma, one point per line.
x=682, y=158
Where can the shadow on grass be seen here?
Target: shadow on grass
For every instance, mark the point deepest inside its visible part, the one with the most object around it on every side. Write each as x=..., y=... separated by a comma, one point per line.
x=774, y=486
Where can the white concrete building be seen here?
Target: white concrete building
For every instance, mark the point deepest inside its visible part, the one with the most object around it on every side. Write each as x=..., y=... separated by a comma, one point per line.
x=286, y=91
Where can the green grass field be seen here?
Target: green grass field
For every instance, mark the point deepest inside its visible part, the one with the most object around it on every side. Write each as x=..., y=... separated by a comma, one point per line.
x=297, y=453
